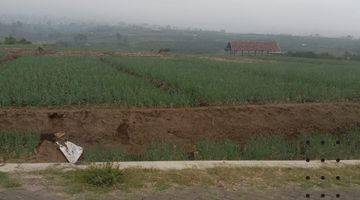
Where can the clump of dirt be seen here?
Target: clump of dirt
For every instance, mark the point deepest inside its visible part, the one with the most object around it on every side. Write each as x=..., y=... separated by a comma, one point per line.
x=49, y=151
x=9, y=57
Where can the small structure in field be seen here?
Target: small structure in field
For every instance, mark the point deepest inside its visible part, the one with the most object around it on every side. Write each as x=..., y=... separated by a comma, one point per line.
x=258, y=48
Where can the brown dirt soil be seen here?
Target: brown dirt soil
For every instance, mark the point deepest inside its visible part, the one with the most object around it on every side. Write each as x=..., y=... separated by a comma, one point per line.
x=136, y=128
x=34, y=52
x=49, y=152
x=236, y=59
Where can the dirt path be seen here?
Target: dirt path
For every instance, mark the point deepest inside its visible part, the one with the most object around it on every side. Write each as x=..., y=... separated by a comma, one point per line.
x=255, y=194
x=23, y=194
x=193, y=193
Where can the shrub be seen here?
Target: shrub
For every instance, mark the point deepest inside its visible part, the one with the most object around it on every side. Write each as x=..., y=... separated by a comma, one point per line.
x=105, y=176
x=23, y=41
x=10, y=40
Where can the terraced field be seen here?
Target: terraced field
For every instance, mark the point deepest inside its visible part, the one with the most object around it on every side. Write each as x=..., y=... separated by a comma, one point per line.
x=131, y=101
x=2, y=53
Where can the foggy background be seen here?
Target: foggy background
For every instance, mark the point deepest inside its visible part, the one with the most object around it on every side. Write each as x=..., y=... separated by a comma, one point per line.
x=298, y=17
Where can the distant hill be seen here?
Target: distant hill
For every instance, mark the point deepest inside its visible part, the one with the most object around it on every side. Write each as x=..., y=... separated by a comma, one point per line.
x=141, y=38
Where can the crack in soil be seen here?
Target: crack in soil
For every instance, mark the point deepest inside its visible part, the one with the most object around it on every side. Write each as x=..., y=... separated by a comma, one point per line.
x=161, y=84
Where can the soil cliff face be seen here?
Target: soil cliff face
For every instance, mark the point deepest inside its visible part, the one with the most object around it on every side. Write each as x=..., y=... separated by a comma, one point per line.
x=136, y=128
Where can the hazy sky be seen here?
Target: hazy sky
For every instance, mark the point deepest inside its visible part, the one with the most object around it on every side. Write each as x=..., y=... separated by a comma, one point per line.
x=326, y=17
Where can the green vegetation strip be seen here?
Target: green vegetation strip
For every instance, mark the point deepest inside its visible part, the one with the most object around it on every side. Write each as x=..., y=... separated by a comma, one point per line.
x=196, y=99
x=57, y=81
x=7, y=182
x=105, y=179
x=16, y=144
x=272, y=81
x=260, y=147
x=2, y=53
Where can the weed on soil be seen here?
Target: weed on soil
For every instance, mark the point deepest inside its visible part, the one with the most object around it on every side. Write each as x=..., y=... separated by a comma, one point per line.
x=7, y=182
x=99, y=180
x=15, y=144
x=18, y=145
x=259, y=147
x=217, y=150
x=99, y=154
x=161, y=150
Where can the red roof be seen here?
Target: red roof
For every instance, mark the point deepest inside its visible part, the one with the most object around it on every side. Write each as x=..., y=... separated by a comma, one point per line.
x=254, y=46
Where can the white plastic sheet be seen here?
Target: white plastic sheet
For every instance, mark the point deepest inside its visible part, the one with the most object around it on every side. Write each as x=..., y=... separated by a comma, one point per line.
x=71, y=151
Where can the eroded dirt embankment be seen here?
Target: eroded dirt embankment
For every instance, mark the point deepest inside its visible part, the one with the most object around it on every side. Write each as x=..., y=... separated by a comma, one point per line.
x=136, y=128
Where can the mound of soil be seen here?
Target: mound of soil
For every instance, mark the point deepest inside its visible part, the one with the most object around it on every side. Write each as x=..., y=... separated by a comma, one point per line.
x=49, y=151
x=136, y=128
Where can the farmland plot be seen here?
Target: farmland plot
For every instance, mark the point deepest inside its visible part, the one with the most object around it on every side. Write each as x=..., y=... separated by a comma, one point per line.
x=56, y=81
x=229, y=82
x=2, y=53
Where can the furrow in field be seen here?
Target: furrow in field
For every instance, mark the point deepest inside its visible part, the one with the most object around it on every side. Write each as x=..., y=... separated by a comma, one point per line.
x=161, y=84
x=60, y=81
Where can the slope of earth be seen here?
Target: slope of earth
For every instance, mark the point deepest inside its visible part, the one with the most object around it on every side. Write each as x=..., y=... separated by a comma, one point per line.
x=136, y=128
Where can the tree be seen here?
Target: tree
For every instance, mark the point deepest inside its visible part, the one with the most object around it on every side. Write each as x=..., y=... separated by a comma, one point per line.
x=23, y=41
x=80, y=38
x=10, y=40
x=118, y=36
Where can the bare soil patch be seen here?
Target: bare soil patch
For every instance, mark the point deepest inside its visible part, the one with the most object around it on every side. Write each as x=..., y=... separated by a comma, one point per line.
x=137, y=128
x=36, y=52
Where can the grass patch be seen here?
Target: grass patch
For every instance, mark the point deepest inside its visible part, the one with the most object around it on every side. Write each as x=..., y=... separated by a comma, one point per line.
x=331, y=146
x=161, y=150
x=259, y=147
x=270, y=147
x=94, y=179
x=99, y=154
x=7, y=182
x=217, y=150
x=133, y=179
x=16, y=144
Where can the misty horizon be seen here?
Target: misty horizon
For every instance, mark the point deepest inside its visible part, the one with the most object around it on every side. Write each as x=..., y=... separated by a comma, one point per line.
x=330, y=18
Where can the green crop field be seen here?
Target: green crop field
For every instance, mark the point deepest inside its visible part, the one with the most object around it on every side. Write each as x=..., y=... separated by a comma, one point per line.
x=2, y=53
x=56, y=81
x=277, y=80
